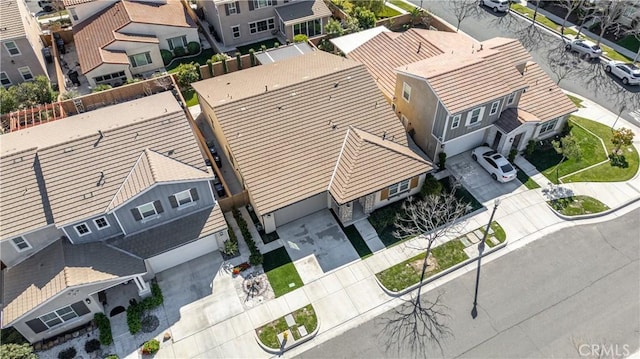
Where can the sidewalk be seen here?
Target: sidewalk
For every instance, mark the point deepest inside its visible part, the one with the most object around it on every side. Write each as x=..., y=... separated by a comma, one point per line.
x=350, y=295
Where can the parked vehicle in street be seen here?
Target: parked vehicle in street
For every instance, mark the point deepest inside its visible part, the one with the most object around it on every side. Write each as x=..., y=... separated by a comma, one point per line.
x=498, y=166
x=496, y=5
x=627, y=72
x=584, y=48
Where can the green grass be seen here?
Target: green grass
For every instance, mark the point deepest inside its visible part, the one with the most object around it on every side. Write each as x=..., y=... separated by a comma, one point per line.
x=606, y=172
x=498, y=233
x=576, y=101
x=546, y=159
x=281, y=272
x=403, y=5
x=190, y=97
x=256, y=46
x=357, y=241
x=630, y=43
x=578, y=205
x=54, y=14
x=200, y=59
x=403, y=275
x=268, y=333
x=387, y=12
x=526, y=180
x=305, y=316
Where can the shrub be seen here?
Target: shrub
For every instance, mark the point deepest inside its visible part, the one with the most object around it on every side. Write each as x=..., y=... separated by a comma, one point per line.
x=218, y=57
x=383, y=217
x=111, y=356
x=238, y=61
x=442, y=159
x=531, y=147
x=151, y=346
x=91, y=345
x=230, y=248
x=179, y=51
x=11, y=335
x=512, y=155
x=252, y=57
x=68, y=353
x=276, y=44
x=167, y=56
x=17, y=351
x=300, y=38
x=210, y=67
x=333, y=29
x=193, y=47
x=366, y=18
x=225, y=67
x=186, y=74
x=256, y=257
x=431, y=186
x=101, y=87
x=134, y=318
x=104, y=325
x=263, y=48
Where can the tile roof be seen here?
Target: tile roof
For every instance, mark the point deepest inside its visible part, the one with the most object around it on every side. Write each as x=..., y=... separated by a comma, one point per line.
x=174, y=234
x=286, y=140
x=302, y=10
x=367, y=163
x=350, y=42
x=75, y=2
x=544, y=98
x=98, y=31
x=59, y=266
x=84, y=159
x=508, y=120
x=11, y=25
x=151, y=168
x=388, y=50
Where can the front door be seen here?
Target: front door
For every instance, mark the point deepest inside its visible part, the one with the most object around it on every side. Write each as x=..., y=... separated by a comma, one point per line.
x=516, y=141
x=496, y=140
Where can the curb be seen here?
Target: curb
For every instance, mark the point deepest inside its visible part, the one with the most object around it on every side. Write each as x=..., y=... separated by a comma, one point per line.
x=437, y=275
x=307, y=338
x=594, y=215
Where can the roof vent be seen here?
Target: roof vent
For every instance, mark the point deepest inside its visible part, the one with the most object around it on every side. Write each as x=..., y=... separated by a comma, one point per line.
x=419, y=47
x=68, y=149
x=17, y=160
x=171, y=152
x=266, y=88
x=384, y=135
x=335, y=85
x=333, y=125
x=88, y=195
x=101, y=180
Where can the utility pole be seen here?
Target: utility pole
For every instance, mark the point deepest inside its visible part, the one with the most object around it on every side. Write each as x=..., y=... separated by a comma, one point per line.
x=474, y=311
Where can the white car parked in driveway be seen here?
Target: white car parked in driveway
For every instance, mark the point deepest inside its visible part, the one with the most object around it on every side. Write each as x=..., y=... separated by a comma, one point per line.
x=627, y=72
x=584, y=48
x=496, y=5
x=498, y=166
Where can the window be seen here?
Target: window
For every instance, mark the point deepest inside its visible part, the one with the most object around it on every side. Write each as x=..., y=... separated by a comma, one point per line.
x=82, y=229
x=12, y=48
x=113, y=76
x=231, y=8
x=101, y=223
x=548, y=126
x=4, y=79
x=511, y=98
x=236, y=31
x=140, y=59
x=21, y=244
x=73, y=13
x=494, y=108
x=406, y=91
x=26, y=74
x=180, y=41
x=183, y=198
x=58, y=316
x=474, y=116
x=455, y=121
x=148, y=210
x=262, y=25
x=310, y=28
x=257, y=4
x=397, y=188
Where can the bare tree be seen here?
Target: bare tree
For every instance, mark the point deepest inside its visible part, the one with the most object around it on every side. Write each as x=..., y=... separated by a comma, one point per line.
x=562, y=63
x=418, y=322
x=463, y=9
x=609, y=16
x=571, y=6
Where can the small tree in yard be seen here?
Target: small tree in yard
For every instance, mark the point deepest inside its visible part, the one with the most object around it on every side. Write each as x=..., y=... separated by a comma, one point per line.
x=569, y=148
x=417, y=321
x=334, y=28
x=621, y=137
x=186, y=74
x=366, y=18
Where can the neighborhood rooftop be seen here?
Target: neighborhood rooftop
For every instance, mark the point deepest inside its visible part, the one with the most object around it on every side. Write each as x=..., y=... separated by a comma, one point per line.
x=11, y=25
x=300, y=11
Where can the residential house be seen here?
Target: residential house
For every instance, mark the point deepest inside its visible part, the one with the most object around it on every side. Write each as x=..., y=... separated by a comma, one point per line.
x=21, y=49
x=117, y=40
x=453, y=94
x=243, y=22
x=308, y=133
x=95, y=200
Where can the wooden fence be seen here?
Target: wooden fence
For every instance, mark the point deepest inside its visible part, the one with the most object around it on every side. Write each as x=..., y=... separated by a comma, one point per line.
x=236, y=201
x=232, y=66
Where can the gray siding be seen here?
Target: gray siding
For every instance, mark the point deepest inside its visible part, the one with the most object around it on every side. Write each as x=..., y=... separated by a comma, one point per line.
x=300, y=209
x=36, y=239
x=161, y=193
x=223, y=22
x=96, y=234
x=30, y=55
x=440, y=118
x=463, y=129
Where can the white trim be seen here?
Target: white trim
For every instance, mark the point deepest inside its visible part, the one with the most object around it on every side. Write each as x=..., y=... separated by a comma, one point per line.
x=62, y=321
x=406, y=85
x=75, y=226
x=470, y=115
x=511, y=98
x=66, y=234
x=16, y=47
x=95, y=221
x=188, y=204
x=497, y=108
x=239, y=32
x=115, y=215
x=235, y=9
x=453, y=117
x=149, y=217
x=467, y=134
x=266, y=20
x=15, y=245
x=335, y=168
x=30, y=73
x=7, y=77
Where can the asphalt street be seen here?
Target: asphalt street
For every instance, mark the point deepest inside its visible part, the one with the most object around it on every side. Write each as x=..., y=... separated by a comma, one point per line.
x=568, y=294
x=585, y=78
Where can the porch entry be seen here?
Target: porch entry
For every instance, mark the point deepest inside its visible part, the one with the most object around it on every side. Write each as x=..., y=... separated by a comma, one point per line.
x=516, y=141
x=496, y=140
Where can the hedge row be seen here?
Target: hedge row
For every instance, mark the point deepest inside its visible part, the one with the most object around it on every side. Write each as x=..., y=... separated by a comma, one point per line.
x=104, y=325
x=256, y=257
x=136, y=311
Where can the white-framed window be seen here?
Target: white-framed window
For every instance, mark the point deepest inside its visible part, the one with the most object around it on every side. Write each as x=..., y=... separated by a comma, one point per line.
x=59, y=316
x=73, y=13
x=494, y=108
x=262, y=25
x=121, y=76
x=142, y=59
x=455, y=121
x=257, y=4
x=511, y=98
x=82, y=229
x=548, y=126
x=26, y=74
x=235, y=30
x=178, y=41
x=4, y=79
x=148, y=210
x=183, y=198
x=21, y=244
x=12, y=48
x=101, y=223
x=397, y=188
x=310, y=28
x=406, y=91
x=232, y=8
x=475, y=116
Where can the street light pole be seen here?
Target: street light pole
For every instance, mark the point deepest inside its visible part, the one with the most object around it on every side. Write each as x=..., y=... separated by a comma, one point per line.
x=622, y=108
x=474, y=311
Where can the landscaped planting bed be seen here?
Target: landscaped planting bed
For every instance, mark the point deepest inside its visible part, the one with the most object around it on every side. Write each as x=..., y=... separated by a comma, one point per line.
x=577, y=205
x=305, y=316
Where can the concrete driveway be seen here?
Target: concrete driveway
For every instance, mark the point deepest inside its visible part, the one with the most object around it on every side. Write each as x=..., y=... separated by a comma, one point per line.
x=478, y=181
x=316, y=244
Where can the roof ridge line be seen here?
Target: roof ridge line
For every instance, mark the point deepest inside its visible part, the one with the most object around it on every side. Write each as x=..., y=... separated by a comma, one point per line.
x=125, y=180
x=335, y=167
x=383, y=144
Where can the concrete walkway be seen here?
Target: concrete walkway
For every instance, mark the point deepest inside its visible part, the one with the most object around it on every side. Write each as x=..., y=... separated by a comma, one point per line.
x=349, y=295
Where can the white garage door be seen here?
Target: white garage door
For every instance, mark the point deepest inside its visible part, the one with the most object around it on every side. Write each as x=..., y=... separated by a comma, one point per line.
x=464, y=143
x=183, y=254
x=300, y=209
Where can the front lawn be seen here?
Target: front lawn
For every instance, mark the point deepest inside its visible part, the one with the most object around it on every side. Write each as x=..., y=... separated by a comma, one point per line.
x=630, y=43
x=403, y=5
x=305, y=316
x=281, y=272
x=526, y=180
x=257, y=46
x=190, y=97
x=576, y=101
x=200, y=59
x=498, y=233
x=577, y=205
x=387, y=12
